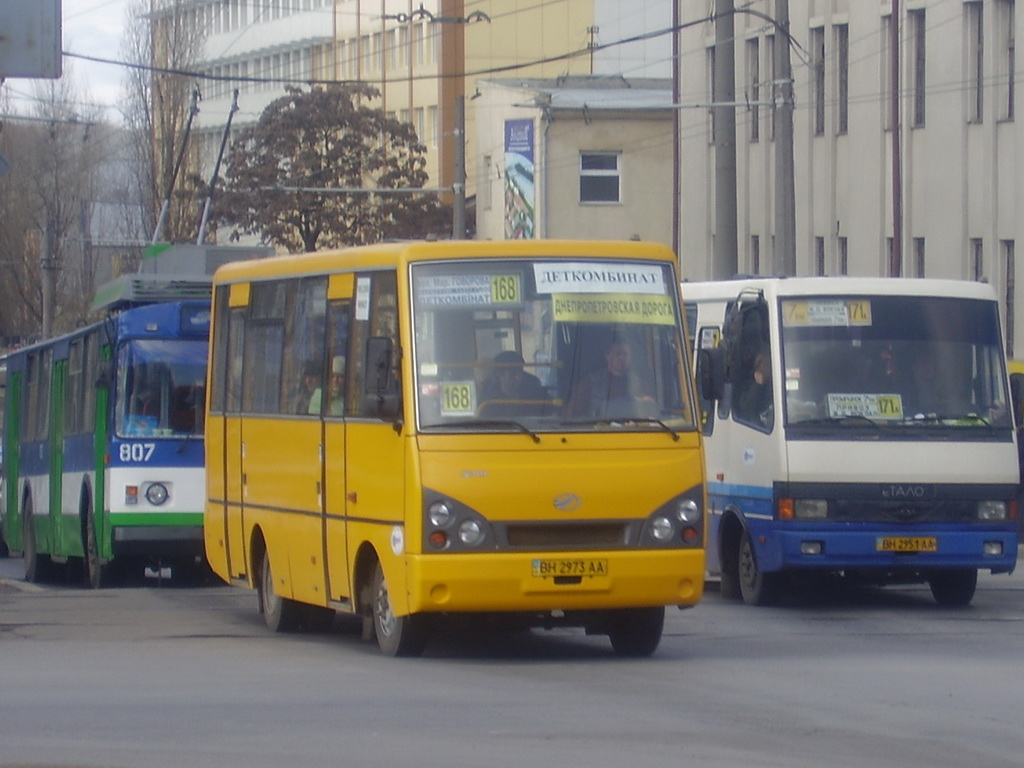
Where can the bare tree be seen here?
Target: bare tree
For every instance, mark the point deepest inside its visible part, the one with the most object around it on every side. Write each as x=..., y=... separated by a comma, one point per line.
x=161, y=40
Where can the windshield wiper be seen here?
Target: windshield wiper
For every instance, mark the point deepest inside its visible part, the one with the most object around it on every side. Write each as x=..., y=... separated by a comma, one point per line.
x=487, y=423
x=631, y=420
x=942, y=418
x=850, y=418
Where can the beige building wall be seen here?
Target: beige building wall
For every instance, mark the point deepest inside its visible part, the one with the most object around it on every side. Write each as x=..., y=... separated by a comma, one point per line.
x=644, y=139
x=524, y=39
x=959, y=178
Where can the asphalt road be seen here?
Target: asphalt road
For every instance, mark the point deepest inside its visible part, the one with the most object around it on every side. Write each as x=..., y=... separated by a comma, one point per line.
x=160, y=675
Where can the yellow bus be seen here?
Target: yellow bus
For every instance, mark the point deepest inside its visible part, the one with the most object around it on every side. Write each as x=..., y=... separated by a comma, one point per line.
x=409, y=431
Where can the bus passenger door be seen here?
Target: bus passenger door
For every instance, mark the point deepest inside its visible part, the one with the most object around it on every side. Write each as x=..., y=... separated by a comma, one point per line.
x=333, y=458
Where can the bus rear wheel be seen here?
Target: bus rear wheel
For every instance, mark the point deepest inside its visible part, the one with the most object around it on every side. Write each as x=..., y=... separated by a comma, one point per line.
x=281, y=614
x=756, y=586
x=396, y=635
x=955, y=587
x=37, y=566
x=636, y=632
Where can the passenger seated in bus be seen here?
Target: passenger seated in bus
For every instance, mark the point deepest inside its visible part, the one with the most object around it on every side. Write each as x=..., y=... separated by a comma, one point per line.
x=309, y=380
x=509, y=383
x=143, y=414
x=336, y=407
x=754, y=403
x=615, y=391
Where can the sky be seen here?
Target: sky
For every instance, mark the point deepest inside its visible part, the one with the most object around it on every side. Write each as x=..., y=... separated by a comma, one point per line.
x=89, y=28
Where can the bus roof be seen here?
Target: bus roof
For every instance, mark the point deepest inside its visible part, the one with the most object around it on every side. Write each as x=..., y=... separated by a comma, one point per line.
x=781, y=287
x=393, y=254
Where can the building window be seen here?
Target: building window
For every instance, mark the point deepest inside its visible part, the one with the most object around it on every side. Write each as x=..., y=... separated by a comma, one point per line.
x=817, y=43
x=769, y=44
x=599, y=177
x=842, y=78
x=754, y=87
x=819, y=255
x=889, y=105
x=755, y=254
x=1007, y=62
x=977, y=260
x=1011, y=287
x=844, y=263
x=917, y=64
x=975, y=62
x=711, y=94
x=919, y=257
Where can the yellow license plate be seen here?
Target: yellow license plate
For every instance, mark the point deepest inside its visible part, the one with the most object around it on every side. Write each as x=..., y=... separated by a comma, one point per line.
x=569, y=567
x=906, y=544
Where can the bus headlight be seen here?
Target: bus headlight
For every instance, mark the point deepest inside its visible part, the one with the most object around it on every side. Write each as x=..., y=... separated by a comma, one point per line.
x=156, y=494
x=689, y=512
x=471, y=533
x=992, y=511
x=439, y=513
x=662, y=528
x=810, y=509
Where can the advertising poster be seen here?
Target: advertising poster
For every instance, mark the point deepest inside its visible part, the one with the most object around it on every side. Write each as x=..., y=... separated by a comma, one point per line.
x=519, y=190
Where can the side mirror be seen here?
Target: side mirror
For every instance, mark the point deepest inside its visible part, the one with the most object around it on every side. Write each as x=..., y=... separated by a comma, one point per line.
x=711, y=373
x=1017, y=398
x=383, y=397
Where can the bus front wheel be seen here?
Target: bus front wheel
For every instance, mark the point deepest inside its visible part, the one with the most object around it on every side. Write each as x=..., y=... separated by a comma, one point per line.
x=954, y=587
x=396, y=635
x=281, y=614
x=636, y=632
x=756, y=586
x=95, y=571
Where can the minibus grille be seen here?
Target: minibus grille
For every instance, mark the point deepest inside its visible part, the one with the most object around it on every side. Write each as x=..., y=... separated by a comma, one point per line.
x=563, y=536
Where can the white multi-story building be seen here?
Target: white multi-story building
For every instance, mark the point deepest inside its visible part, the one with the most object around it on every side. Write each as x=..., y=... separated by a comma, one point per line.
x=955, y=191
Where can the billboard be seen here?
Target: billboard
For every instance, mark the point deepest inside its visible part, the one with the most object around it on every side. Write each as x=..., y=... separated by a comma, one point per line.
x=520, y=218
x=30, y=38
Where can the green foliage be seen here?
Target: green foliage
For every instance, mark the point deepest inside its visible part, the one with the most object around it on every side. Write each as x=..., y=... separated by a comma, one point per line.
x=325, y=138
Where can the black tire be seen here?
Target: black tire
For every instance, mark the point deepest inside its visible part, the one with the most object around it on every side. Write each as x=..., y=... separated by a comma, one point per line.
x=281, y=614
x=955, y=587
x=396, y=635
x=38, y=567
x=636, y=632
x=96, y=572
x=757, y=587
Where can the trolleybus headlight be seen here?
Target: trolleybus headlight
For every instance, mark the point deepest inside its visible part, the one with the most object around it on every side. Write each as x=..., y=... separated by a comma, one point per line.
x=688, y=512
x=156, y=494
x=810, y=509
x=662, y=528
x=471, y=533
x=992, y=511
x=440, y=514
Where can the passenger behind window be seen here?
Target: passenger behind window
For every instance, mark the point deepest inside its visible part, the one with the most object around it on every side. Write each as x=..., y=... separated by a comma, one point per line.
x=510, y=381
x=336, y=407
x=309, y=381
x=754, y=402
x=615, y=391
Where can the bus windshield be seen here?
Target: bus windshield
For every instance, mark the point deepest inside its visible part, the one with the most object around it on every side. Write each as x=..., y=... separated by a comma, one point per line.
x=546, y=345
x=893, y=361
x=161, y=388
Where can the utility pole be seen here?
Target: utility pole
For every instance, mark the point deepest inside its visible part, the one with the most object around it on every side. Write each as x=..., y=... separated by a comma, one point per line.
x=784, y=252
x=459, y=207
x=725, y=261
x=49, y=265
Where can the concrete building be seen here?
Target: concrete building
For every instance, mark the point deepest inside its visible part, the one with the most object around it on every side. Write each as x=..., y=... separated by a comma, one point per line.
x=575, y=157
x=905, y=158
x=423, y=56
